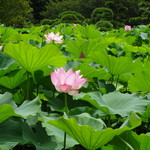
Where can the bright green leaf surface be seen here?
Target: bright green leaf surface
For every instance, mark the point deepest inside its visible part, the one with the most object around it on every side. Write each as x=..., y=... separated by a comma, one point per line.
x=146, y=114
x=84, y=46
x=144, y=142
x=88, y=32
x=59, y=135
x=31, y=58
x=140, y=81
x=88, y=137
x=90, y=72
x=132, y=121
x=13, y=79
x=115, y=65
x=6, y=111
x=126, y=141
x=7, y=64
x=8, y=34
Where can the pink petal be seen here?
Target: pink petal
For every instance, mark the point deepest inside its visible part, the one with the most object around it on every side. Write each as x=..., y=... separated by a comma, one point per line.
x=69, y=72
x=77, y=73
x=51, y=34
x=45, y=35
x=128, y=27
x=60, y=37
x=1, y=47
x=79, y=83
x=70, y=79
x=62, y=75
x=74, y=25
x=59, y=41
x=55, y=79
x=65, y=88
x=57, y=34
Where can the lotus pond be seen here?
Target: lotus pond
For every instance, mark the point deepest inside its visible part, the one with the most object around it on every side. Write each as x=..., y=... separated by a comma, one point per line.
x=75, y=88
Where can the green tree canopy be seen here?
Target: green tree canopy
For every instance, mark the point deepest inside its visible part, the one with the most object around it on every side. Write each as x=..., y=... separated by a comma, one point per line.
x=14, y=12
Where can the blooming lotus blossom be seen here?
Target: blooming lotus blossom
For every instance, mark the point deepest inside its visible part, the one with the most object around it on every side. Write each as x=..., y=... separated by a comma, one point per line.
x=53, y=37
x=74, y=25
x=1, y=47
x=67, y=82
x=127, y=27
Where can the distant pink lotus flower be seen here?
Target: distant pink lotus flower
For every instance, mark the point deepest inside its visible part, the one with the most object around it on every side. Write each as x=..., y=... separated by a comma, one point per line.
x=82, y=55
x=53, y=37
x=1, y=47
x=74, y=25
x=67, y=82
x=127, y=27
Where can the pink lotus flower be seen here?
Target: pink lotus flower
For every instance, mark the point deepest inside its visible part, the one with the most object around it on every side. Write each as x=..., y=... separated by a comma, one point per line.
x=74, y=25
x=1, y=47
x=53, y=37
x=127, y=27
x=82, y=55
x=67, y=82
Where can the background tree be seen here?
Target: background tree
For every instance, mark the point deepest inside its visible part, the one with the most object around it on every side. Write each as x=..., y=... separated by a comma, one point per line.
x=101, y=13
x=123, y=9
x=18, y=12
x=54, y=8
x=38, y=6
x=14, y=12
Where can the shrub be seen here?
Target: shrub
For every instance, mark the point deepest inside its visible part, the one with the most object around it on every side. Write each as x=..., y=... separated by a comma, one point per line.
x=78, y=15
x=47, y=22
x=138, y=20
x=87, y=21
x=101, y=13
x=50, y=22
x=117, y=24
x=70, y=18
x=104, y=25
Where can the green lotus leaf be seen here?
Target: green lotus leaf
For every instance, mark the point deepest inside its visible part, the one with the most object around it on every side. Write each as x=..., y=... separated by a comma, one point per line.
x=140, y=81
x=132, y=121
x=7, y=64
x=8, y=34
x=144, y=141
x=38, y=137
x=88, y=137
x=115, y=65
x=31, y=58
x=6, y=111
x=126, y=141
x=56, y=132
x=84, y=46
x=90, y=72
x=10, y=133
x=14, y=79
x=115, y=102
x=29, y=108
x=88, y=32
x=7, y=98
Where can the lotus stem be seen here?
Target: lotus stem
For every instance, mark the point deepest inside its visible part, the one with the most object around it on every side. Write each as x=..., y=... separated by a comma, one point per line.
x=66, y=111
x=28, y=86
x=117, y=81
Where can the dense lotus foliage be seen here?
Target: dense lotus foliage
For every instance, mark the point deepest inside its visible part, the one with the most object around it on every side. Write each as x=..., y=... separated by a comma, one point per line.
x=111, y=110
